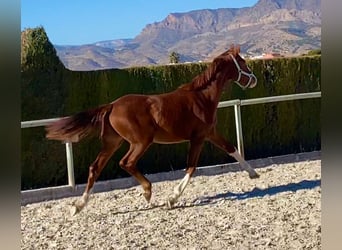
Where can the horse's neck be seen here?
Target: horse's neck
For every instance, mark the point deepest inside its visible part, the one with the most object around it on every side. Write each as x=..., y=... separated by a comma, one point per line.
x=214, y=90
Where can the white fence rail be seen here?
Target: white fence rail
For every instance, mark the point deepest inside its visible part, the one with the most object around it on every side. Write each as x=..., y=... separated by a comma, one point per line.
x=238, y=123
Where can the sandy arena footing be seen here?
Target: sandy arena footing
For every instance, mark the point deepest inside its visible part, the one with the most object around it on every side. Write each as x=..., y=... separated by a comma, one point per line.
x=280, y=210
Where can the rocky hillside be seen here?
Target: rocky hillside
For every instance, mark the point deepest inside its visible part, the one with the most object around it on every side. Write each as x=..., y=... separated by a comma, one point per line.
x=281, y=26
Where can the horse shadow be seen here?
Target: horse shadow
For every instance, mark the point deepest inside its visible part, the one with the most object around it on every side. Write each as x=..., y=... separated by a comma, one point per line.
x=255, y=193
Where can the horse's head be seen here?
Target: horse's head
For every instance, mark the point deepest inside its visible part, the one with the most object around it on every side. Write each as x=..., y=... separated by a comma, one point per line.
x=243, y=76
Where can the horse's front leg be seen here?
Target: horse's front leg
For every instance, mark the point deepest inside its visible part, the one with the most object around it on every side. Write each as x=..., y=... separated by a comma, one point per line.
x=194, y=153
x=220, y=142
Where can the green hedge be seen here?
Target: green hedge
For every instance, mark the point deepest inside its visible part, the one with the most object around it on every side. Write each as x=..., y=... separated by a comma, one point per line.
x=268, y=129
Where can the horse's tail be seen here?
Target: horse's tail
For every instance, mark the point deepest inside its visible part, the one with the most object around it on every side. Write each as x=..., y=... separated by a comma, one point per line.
x=74, y=128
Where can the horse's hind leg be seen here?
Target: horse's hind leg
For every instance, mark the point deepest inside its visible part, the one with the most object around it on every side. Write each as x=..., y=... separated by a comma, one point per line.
x=128, y=163
x=111, y=141
x=220, y=142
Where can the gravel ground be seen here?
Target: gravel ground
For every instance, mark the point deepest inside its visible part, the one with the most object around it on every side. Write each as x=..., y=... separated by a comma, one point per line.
x=280, y=210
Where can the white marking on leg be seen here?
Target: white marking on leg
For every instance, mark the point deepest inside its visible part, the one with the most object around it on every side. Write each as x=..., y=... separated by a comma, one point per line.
x=245, y=166
x=85, y=198
x=80, y=204
x=178, y=190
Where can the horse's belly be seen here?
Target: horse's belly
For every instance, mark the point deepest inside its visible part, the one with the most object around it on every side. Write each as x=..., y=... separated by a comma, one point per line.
x=168, y=141
x=166, y=138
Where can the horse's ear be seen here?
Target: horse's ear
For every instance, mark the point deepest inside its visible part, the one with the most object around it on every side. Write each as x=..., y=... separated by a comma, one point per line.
x=237, y=49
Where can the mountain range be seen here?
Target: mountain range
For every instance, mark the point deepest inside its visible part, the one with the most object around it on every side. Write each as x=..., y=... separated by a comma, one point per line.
x=288, y=27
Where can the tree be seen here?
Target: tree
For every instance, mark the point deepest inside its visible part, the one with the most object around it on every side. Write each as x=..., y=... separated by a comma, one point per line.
x=174, y=57
x=314, y=52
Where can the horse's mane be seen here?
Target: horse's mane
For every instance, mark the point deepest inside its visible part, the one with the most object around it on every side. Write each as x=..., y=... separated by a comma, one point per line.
x=202, y=80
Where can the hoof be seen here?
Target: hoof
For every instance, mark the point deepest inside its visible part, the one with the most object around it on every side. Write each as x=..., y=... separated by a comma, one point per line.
x=170, y=202
x=77, y=207
x=74, y=210
x=147, y=196
x=255, y=175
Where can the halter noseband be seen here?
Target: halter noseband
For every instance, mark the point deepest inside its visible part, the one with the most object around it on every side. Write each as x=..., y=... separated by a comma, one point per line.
x=241, y=72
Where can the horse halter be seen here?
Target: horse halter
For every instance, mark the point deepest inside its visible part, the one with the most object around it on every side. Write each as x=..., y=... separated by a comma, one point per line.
x=242, y=72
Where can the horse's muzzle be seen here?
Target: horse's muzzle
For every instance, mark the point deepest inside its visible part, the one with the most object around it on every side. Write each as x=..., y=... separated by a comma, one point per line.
x=253, y=80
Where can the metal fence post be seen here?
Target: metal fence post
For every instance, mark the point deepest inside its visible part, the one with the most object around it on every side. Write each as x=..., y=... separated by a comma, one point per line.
x=70, y=164
x=238, y=125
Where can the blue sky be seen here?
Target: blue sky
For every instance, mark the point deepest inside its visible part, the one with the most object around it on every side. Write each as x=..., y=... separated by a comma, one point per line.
x=76, y=22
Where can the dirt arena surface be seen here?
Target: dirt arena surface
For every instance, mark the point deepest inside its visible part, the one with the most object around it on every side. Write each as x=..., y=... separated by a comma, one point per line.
x=280, y=210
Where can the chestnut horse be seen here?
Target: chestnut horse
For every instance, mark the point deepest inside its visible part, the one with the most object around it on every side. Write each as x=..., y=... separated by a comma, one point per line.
x=185, y=114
